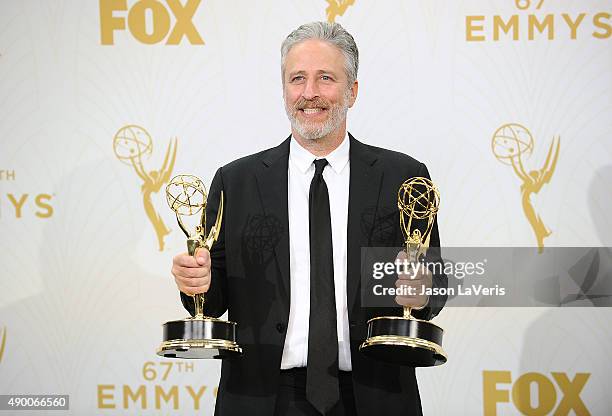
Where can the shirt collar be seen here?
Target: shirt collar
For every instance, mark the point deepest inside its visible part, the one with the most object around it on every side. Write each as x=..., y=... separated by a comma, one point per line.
x=303, y=159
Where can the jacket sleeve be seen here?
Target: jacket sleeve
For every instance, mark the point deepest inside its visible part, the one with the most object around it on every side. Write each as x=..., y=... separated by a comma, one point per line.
x=215, y=303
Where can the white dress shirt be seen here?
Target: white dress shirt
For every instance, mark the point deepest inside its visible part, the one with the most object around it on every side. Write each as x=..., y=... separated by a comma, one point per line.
x=336, y=175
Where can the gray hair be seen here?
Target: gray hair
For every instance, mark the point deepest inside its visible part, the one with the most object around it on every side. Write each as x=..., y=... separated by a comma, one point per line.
x=332, y=33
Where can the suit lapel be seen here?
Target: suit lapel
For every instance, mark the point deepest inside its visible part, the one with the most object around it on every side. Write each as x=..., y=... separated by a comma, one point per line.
x=364, y=188
x=272, y=182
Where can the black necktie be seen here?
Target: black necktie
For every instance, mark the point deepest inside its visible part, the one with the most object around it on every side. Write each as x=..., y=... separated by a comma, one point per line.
x=322, y=388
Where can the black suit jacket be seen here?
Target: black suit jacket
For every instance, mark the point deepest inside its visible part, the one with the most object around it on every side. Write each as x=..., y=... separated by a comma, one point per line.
x=250, y=275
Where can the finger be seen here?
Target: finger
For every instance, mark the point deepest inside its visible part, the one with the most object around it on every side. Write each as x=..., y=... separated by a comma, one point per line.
x=422, y=271
x=194, y=282
x=418, y=272
x=412, y=288
x=417, y=286
x=407, y=283
x=411, y=301
x=401, y=260
x=424, y=276
x=192, y=285
x=407, y=269
x=191, y=272
x=410, y=276
x=185, y=260
x=407, y=300
x=202, y=256
x=193, y=290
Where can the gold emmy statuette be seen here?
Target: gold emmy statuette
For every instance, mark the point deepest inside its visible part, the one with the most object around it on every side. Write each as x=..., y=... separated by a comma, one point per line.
x=199, y=336
x=404, y=339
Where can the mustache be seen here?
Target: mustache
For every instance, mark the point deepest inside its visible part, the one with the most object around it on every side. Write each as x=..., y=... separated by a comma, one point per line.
x=314, y=103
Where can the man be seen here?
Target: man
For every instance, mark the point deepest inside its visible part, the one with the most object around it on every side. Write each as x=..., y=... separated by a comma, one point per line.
x=286, y=266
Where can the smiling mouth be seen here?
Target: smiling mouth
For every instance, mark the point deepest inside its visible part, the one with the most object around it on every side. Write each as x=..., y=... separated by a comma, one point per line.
x=312, y=110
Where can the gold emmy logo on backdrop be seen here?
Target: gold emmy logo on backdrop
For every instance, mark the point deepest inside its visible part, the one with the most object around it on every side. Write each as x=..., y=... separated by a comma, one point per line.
x=2, y=342
x=149, y=21
x=337, y=8
x=511, y=144
x=133, y=143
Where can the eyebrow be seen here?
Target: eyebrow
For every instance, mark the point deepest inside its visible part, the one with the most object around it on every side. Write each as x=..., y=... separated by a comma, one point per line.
x=320, y=71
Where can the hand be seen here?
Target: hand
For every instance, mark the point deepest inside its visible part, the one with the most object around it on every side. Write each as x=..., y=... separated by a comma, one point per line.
x=192, y=274
x=416, y=279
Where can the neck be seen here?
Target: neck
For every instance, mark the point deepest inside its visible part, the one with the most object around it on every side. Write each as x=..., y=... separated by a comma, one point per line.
x=323, y=146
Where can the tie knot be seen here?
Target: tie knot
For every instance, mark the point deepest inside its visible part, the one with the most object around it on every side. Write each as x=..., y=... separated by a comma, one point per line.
x=319, y=166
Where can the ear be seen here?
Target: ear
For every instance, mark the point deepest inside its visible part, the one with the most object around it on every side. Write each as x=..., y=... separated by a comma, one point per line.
x=354, y=89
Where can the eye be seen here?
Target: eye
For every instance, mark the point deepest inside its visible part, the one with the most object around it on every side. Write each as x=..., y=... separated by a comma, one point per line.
x=326, y=78
x=297, y=78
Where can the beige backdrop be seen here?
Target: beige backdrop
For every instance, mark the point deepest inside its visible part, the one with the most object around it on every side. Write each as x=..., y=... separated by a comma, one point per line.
x=84, y=286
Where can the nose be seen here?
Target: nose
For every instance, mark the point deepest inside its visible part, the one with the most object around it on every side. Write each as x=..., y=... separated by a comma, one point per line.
x=311, y=89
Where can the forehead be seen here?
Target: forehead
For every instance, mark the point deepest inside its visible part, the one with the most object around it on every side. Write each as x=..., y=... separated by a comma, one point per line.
x=314, y=55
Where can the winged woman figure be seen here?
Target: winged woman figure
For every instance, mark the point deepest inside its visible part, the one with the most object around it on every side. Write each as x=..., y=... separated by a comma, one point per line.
x=532, y=183
x=337, y=8
x=152, y=183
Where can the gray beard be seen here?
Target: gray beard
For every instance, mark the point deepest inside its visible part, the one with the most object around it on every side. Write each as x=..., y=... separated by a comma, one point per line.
x=316, y=131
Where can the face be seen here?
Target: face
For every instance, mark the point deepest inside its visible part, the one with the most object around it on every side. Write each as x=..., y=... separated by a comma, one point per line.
x=315, y=88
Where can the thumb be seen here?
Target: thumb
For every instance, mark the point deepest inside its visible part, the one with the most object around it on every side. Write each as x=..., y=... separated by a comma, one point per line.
x=200, y=256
